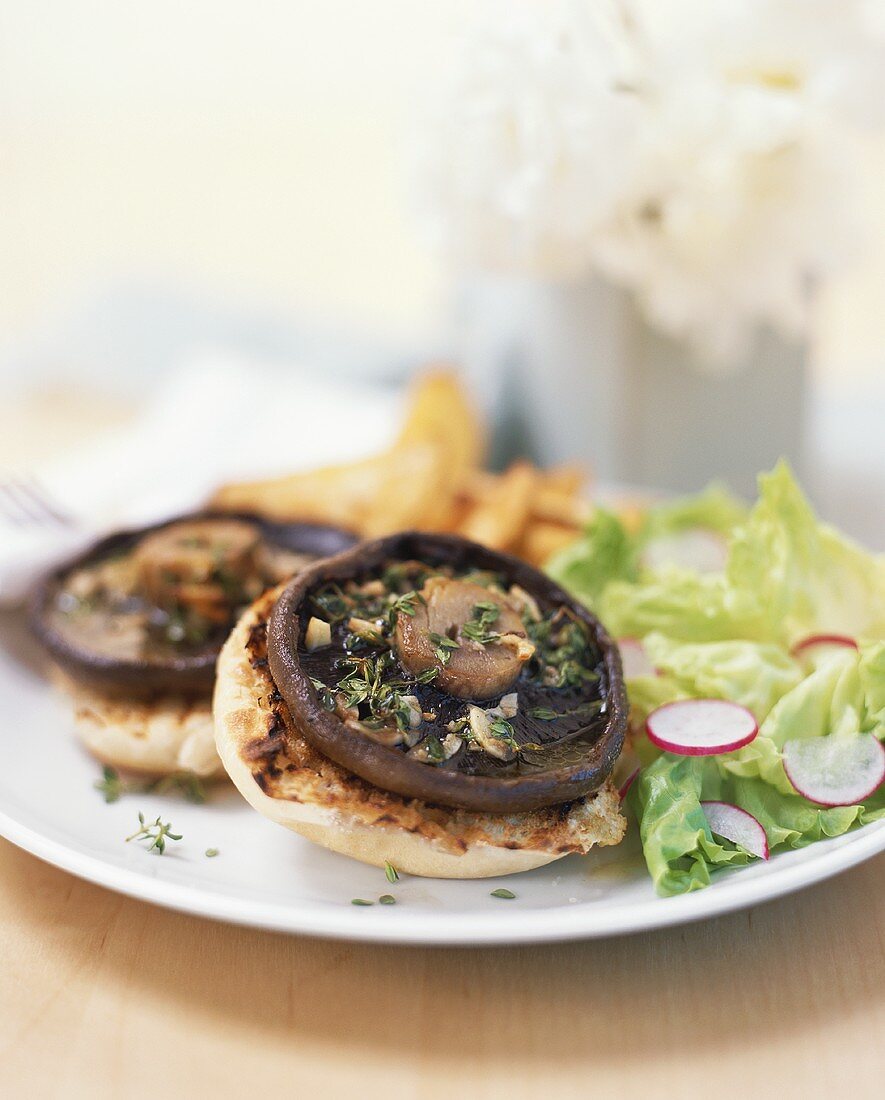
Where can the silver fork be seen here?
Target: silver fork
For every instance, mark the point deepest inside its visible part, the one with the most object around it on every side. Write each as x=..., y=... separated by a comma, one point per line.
x=24, y=502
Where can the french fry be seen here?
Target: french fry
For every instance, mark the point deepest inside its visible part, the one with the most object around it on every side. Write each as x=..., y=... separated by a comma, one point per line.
x=416, y=492
x=430, y=479
x=440, y=413
x=541, y=540
x=567, y=479
x=498, y=520
x=335, y=494
x=413, y=484
x=558, y=507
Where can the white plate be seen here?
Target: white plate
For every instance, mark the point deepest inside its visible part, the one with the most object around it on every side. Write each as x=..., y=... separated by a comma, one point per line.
x=270, y=878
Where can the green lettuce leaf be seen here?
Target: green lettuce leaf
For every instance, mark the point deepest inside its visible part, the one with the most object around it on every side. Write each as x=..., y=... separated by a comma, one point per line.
x=713, y=509
x=754, y=674
x=688, y=606
x=790, y=576
x=681, y=853
x=729, y=635
x=604, y=553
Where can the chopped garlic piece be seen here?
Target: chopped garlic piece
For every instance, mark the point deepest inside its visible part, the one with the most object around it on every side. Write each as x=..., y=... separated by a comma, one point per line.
x=521, y=646
x=366, y=629
x=524, y=603
x=318, y=633
x=509, y=705
x=415, y=714
x=481, y=728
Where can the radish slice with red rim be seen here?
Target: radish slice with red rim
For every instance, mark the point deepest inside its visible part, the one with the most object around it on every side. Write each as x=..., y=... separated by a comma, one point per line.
x=817, y=647
x=701, y=727
x=634, y=659
x=696, y=548
x=734, y=824
x=843, y=641
x=628, y=783
x=835, y=771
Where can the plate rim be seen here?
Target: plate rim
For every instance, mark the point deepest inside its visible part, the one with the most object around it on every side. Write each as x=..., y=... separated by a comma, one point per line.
x=385, y=925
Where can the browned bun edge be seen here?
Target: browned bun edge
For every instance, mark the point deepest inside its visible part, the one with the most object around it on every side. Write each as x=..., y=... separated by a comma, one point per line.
x=165, y=735
x=290, y=782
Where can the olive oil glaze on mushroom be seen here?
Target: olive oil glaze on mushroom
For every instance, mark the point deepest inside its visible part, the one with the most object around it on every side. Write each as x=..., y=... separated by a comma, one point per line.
x=136, y=622
x=440, y=670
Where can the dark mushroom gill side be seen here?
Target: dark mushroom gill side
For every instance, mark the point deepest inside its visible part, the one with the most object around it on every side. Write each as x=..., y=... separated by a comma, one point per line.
x=189, y=673
x=570, y=773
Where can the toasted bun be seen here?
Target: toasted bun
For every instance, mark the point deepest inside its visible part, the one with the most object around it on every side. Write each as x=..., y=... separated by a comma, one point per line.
x=285, y=779
x=160, y=736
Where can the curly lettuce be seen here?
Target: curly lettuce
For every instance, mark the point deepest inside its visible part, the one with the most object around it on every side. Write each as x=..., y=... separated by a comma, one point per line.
x=730, y=635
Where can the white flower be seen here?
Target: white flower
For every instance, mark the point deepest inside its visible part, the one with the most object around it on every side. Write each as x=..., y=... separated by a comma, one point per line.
x=700, y=152
x=531, y=141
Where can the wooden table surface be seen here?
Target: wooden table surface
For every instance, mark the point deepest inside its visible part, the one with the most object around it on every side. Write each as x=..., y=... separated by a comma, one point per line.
x=103, y=996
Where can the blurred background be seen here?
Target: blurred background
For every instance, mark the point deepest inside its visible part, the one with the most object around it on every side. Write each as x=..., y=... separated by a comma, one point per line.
x=290, y=189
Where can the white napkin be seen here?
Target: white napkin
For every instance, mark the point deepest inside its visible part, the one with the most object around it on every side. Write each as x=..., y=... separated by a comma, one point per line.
x=218, y=418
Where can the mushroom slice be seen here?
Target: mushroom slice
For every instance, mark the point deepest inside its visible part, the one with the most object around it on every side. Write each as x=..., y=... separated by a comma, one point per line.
x=472, y=636
x=202, y=564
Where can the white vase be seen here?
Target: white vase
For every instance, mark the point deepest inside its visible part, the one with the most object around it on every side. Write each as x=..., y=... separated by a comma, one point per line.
x=574, y=372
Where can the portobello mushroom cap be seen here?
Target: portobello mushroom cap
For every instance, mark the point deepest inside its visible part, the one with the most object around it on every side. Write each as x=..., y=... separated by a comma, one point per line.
x=191, y=669
x=559, y=757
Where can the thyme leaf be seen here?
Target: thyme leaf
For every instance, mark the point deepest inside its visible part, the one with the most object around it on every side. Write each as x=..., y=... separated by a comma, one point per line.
x=444, y=646
x=157, y=832
x=110, y=785
x=543, y=714
x=477, y=628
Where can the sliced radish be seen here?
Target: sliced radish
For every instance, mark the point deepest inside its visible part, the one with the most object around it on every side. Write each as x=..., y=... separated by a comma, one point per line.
x=701, y=727
x=628, y=783
x=696, y=548
x=635, y=659
x=817, y=647
x=835, y=771
x=738, y=826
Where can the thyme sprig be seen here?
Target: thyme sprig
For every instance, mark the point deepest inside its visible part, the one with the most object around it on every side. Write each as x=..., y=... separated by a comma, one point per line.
x=157, y=832
x=112, y=786
x=563, y=653
x=583, y=710
x=364, y=686
x=477, y=628
x=327, y=696
x=403, y=605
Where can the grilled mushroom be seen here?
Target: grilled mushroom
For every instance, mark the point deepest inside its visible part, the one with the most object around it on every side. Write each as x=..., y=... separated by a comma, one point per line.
x=454, y=696
x=147, y=610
